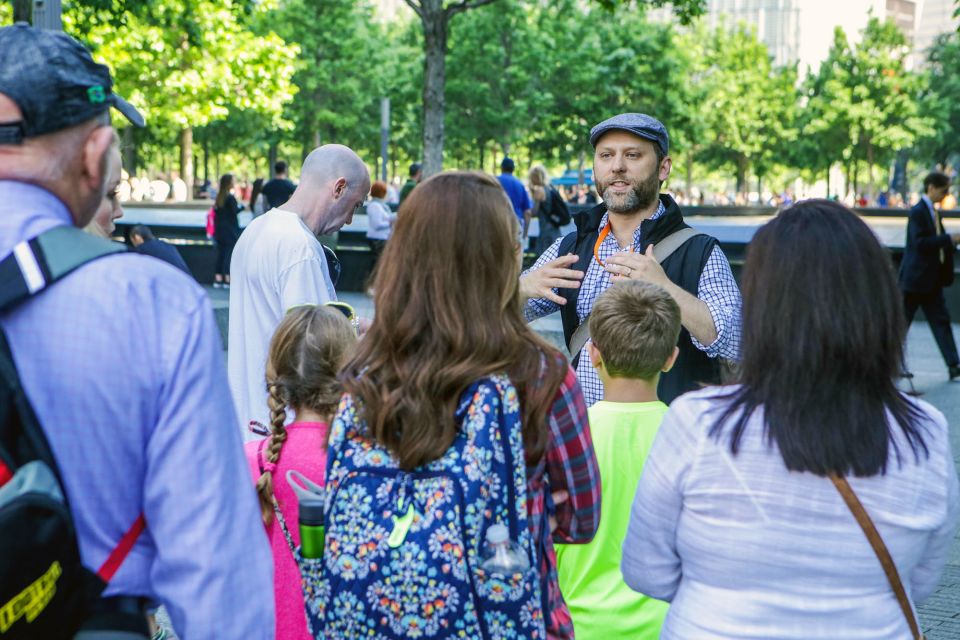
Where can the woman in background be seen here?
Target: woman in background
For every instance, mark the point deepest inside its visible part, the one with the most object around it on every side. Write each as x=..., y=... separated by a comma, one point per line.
x=227, y=229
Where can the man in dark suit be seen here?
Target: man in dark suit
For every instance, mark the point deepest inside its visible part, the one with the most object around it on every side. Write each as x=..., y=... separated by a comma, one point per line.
x=927, y=267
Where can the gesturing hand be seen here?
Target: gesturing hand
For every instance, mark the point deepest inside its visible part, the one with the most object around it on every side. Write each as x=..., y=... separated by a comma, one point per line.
x=555, y=274
x=627, y=265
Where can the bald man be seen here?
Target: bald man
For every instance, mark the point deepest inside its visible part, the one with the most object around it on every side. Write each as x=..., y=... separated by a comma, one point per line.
x=278, y=264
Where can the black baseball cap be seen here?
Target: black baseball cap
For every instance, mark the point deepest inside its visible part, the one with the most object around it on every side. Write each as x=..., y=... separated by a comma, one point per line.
x=54, y=81
x=639, y=124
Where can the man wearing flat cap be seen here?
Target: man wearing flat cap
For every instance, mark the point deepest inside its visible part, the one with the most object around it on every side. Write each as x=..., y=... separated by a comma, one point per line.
x=639, y=233
x=121, y=362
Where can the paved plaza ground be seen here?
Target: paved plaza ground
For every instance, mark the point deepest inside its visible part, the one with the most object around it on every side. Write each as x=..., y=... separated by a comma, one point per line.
x=940, y=615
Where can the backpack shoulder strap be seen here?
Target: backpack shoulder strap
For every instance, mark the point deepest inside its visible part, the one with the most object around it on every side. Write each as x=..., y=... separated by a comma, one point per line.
x=31, y=267
x=665, y=248
x=35, y=264
x=567, y=244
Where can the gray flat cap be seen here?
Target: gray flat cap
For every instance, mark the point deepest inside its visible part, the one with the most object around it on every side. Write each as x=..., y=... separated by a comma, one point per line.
x=639, y=124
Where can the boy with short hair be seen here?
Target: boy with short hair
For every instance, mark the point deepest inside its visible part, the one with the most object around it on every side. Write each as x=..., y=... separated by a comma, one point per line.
x=634, y=328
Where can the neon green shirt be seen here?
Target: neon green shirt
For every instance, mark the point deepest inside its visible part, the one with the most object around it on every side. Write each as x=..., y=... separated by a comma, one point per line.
x=600, y=602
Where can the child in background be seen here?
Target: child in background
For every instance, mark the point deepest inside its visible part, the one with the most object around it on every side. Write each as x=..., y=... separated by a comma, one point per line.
x=634, y=328
x=306, y=353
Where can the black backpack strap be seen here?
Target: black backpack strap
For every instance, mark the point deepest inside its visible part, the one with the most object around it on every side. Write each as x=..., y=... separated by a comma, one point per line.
x=35, y=264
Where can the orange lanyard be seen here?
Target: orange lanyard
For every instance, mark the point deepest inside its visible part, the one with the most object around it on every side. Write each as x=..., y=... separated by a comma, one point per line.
x=600, y=238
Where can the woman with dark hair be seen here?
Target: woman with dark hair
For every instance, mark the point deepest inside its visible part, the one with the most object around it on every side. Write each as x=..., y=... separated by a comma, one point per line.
x=258, y=201
x=226, y=229
x=449, y=317
x=740, y=519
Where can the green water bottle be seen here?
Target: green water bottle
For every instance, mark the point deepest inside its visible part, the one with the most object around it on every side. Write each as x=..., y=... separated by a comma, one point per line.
x=311, y=529
x=310, y=498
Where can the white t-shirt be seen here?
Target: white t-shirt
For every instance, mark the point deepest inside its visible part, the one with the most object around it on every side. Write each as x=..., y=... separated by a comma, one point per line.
x=277, y=264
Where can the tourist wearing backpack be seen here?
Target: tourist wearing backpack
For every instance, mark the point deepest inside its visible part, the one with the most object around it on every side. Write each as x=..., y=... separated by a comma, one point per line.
x=114, y=373
x=456, y=417
x=549, y=207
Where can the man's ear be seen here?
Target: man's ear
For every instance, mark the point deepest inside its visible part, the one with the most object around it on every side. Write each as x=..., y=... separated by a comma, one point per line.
x=95, y=150
x=664, y=170
x=596, y=359
x=672, y=360
x=339, y=188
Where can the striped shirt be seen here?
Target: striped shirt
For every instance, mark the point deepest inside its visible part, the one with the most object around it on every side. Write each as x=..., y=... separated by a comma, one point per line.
x=717, y=289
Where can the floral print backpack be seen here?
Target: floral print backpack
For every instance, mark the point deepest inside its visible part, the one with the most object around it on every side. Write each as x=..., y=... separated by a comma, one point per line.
x=403, y=549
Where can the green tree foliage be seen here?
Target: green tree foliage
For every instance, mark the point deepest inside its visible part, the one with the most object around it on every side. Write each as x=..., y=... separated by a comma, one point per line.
x=494, y=55
x=749, y=109
x=883, y=110
x=435, y=17
x=824, y=126
x=188, y=63
x=940, y=100
x=596, y=63
x=339, y=71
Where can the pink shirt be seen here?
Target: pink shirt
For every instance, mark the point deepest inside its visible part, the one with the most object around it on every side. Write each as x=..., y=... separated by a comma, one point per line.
x=305, y=451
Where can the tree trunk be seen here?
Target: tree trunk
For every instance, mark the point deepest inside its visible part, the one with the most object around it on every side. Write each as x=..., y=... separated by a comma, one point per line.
x=186, y=159
x=129, y=151
x=856, y=179
x=741, y=174
x=272, y=159
x=581, y=161
x=483, y=148
x=434, y=19
x=206, y=160
x=870, y=178
x=689, y=172
x=393, y=160
x=828, y=183
x=23, y=11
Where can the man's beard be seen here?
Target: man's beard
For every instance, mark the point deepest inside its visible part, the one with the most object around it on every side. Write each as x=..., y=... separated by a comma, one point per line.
x=642, y=195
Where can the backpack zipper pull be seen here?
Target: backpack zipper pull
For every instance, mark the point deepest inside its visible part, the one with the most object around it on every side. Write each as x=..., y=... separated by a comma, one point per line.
x=401, y=525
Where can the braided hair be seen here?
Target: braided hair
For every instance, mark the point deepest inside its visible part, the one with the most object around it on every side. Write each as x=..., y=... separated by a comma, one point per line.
x=306, y=353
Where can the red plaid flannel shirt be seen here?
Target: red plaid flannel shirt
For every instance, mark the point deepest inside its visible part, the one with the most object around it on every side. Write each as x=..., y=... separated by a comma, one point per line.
x=568, y=465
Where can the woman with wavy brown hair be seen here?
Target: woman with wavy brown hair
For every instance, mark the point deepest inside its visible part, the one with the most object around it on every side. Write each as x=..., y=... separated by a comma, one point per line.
x=449, y=314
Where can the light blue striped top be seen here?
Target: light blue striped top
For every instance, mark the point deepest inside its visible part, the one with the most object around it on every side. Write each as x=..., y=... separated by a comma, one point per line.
x=744, y=548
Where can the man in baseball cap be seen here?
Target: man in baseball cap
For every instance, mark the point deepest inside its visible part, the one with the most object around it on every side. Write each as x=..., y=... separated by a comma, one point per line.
x=639, y=233
x=55, y=83
x=122, y=364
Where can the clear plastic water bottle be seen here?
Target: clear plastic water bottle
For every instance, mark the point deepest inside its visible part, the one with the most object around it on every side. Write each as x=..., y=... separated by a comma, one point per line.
x=502, y=555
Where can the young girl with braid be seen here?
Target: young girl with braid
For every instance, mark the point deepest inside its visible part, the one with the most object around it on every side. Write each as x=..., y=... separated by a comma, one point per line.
x=306, y=353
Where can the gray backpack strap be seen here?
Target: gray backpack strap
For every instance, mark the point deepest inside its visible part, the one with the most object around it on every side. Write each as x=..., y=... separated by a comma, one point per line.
x=35, y=264
x=665, y=248
x=661, y=251
x=579, y=338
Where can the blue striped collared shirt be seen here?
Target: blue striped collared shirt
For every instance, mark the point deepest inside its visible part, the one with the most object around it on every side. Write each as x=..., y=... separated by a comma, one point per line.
x=123, y=366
